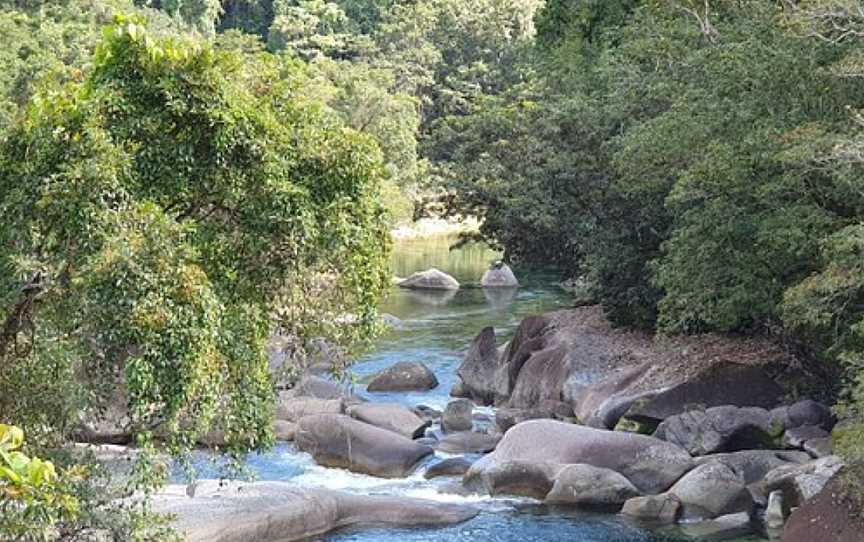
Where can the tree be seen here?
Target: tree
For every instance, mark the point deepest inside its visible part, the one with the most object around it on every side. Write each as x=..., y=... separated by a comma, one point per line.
x=165, y=217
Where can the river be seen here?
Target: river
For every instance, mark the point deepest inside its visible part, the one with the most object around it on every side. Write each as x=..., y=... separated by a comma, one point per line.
x=437, y=328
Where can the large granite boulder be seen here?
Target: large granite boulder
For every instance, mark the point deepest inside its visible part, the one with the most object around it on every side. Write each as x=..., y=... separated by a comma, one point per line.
x=431, y=279
x=499, y=276
x=719, y=384
x=479, y=367
x=279, y=512
x=458, y=416
x=392, y=417
x=722, y=429
x=516, y=477
x=651, y=465
x=293, y=409
x=404, y=376
x=754, y=465
x=340, y=441
x=591, y=487
x=602, y=403
x=710, y=491
x=830, y=515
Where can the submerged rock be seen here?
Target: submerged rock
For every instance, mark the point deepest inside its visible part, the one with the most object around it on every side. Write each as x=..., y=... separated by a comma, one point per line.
x=404, y=376
x=431, y=279
x=279, y=512
x=340, y=441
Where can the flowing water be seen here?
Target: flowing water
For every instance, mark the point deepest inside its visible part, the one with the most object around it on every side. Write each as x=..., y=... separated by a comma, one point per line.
x=437, y=328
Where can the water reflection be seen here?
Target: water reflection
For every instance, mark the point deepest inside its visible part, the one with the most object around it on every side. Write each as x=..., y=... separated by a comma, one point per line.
x=500, y=298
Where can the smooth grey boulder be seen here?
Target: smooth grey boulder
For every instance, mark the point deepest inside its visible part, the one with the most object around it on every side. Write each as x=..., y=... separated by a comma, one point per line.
x=292, y=409
x=319, y=388
x=458, y=416
x=754, y=465
x=721, y=429
x=391, y=417
x=279, y=512
x=710, y=491
x=723, y=383
x=499, y=276
x=404, y=376
x=431, y=279
x=651, y=465
x=478, y=369
x=602, y=403
x=454, y=466
x=521, y=478
x=467, y=442
x=591, y=487
x=341, y=441
x=663, y=508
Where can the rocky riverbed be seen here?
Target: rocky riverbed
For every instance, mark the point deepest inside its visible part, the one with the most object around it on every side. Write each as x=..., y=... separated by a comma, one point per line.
x=558, y=428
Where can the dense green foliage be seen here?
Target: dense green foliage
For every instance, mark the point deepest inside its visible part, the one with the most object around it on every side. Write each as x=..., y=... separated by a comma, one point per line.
x=173, y=196
x=696, y=164
x=166, y=213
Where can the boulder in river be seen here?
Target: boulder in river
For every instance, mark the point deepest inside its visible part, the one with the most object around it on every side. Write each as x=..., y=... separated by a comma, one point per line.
x=454, y=466
x=478, y=369
x=467, y=442
x=392, y=417
x=404, y=376
x=514, y=477
x=722, y=429
x=431, y=279
x=723, y=383
x=710, y=491
x=341, y=441
x=292, y=409
x=663, y=508
x=754, y=465
x=458, y=416
x=280, y=512
x=650, y=464
x=590, y=487
x=499, y=275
